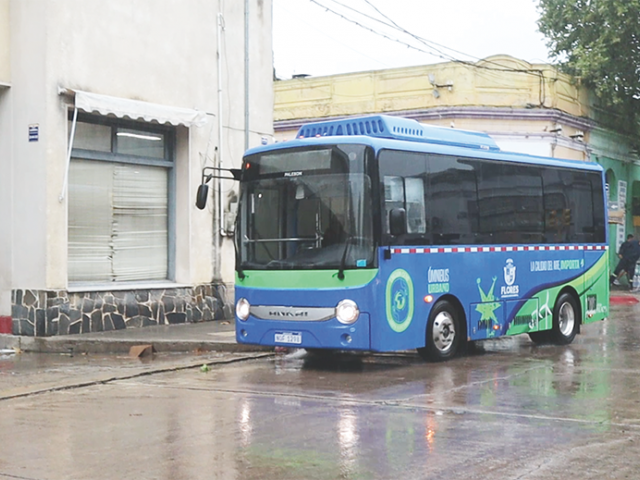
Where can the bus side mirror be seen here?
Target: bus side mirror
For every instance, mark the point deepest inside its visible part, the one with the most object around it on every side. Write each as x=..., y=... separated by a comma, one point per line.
x=201, y=196
x=398, y=222
x=203, y=189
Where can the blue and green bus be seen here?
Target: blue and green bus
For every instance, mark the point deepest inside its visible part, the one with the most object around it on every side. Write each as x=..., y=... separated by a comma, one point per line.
x=382, y=234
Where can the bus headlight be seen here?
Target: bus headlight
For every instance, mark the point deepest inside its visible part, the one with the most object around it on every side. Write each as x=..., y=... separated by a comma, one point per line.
x=347, y=311
x=242, y=309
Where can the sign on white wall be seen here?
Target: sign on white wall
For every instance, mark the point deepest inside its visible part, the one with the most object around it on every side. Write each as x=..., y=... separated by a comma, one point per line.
x=34, y=132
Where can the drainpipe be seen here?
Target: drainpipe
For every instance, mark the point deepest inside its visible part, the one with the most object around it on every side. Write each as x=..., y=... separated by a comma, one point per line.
x=217, y=159
x=221, y=228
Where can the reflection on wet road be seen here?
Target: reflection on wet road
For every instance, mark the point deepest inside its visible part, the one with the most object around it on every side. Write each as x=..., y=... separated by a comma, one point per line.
x=509, y=409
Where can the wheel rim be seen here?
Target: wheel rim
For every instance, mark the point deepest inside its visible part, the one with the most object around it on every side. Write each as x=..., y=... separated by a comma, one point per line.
x=444, y=332
x=566, y=319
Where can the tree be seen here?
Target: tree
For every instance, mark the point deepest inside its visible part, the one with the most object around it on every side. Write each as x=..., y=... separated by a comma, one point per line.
x=599, y=42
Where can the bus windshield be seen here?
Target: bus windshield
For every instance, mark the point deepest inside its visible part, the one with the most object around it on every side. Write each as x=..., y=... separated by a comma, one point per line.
x=306, y=209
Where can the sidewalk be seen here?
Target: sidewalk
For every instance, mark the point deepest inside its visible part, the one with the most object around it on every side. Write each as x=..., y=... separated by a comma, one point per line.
x=217, y=335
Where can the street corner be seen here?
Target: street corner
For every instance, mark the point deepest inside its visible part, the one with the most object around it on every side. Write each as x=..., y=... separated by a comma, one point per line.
x=13, y=342
x=622, y=295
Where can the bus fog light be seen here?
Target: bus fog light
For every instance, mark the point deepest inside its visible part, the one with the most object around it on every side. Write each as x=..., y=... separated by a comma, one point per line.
x=347, y=311
x=346, y=339
x=242, y=309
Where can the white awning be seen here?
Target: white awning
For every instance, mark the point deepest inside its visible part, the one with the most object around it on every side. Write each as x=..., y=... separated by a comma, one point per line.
x=136, y=109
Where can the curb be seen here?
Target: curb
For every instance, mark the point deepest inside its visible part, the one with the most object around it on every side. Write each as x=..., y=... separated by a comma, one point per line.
x=79, y=345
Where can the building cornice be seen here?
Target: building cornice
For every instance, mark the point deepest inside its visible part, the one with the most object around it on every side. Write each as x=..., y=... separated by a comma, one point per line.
x=452, y=113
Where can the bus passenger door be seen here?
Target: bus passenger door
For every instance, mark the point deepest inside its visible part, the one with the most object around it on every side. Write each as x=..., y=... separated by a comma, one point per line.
x=401, y=320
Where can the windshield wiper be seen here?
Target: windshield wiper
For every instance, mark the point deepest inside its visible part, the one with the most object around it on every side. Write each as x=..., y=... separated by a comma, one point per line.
x=343, y=260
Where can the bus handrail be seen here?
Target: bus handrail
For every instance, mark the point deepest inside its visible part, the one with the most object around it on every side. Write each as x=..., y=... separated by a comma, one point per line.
x=292, y=239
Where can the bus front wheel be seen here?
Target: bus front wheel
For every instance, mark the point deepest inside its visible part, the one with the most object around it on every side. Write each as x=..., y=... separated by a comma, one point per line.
x=443, y=333
x=565, y=320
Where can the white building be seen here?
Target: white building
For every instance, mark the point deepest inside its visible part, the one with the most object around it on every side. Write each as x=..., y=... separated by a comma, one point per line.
x=109, y=110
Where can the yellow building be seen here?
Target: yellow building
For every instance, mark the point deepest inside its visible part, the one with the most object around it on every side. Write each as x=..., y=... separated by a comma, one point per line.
x=525, y=107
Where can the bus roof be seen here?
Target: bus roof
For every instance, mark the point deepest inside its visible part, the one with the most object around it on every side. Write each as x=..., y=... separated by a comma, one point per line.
x=397, y=128
x=407, y=134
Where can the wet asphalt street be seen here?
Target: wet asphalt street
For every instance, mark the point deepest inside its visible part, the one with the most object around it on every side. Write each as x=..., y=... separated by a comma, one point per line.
x=509, y=410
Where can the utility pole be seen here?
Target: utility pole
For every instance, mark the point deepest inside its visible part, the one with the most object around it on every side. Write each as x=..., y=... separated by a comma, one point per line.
x=246, y=75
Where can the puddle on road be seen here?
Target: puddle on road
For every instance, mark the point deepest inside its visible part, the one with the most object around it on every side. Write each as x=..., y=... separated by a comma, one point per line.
x=344, y=362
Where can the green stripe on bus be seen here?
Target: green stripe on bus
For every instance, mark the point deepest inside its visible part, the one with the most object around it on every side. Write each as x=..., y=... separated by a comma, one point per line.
x=307, y=279
x=540, y=307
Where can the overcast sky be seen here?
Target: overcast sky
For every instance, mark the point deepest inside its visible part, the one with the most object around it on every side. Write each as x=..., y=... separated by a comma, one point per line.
x=309, y=39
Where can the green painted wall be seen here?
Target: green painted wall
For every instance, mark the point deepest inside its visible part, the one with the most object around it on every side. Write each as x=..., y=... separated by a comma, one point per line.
x=615, y=153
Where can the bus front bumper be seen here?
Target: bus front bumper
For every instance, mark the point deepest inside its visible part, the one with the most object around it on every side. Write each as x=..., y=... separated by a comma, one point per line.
x=328, y=334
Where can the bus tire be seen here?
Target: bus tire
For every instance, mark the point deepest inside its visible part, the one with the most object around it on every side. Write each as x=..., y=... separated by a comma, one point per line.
x=565, y=320
x=444, y=333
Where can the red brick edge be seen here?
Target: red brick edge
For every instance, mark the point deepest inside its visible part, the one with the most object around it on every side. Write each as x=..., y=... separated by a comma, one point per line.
x=623, y=300
x=5, y=324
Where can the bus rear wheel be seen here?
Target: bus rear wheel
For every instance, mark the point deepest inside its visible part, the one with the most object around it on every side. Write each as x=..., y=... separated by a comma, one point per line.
x=565, y=320
x=443, y=333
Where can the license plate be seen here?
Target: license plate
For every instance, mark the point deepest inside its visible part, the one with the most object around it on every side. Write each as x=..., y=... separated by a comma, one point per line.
x=289, y=337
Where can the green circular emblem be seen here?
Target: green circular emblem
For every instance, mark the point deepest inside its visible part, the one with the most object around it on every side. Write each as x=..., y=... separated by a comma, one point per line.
x=399, y=298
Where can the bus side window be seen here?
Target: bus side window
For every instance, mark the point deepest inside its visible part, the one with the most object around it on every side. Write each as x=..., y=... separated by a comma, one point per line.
x=452, y=201
x=414, y=194
x=407, y=193
x=597, y=198
x=581, y=218
x=557, y=211
x=510, y=203
x=403, y=176
x=393, y=197
x=564, y=190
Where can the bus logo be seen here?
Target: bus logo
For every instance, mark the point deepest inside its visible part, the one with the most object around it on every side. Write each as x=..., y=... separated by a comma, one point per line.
x=399, y=299
x=288, y=313
x=510, y=290
x=509, y=272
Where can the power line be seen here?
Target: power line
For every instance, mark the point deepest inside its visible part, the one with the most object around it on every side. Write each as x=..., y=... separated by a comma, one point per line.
x=340, y=42
x=425, y=42
x=376, y=32
x=420, y=39
x=428, y=42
